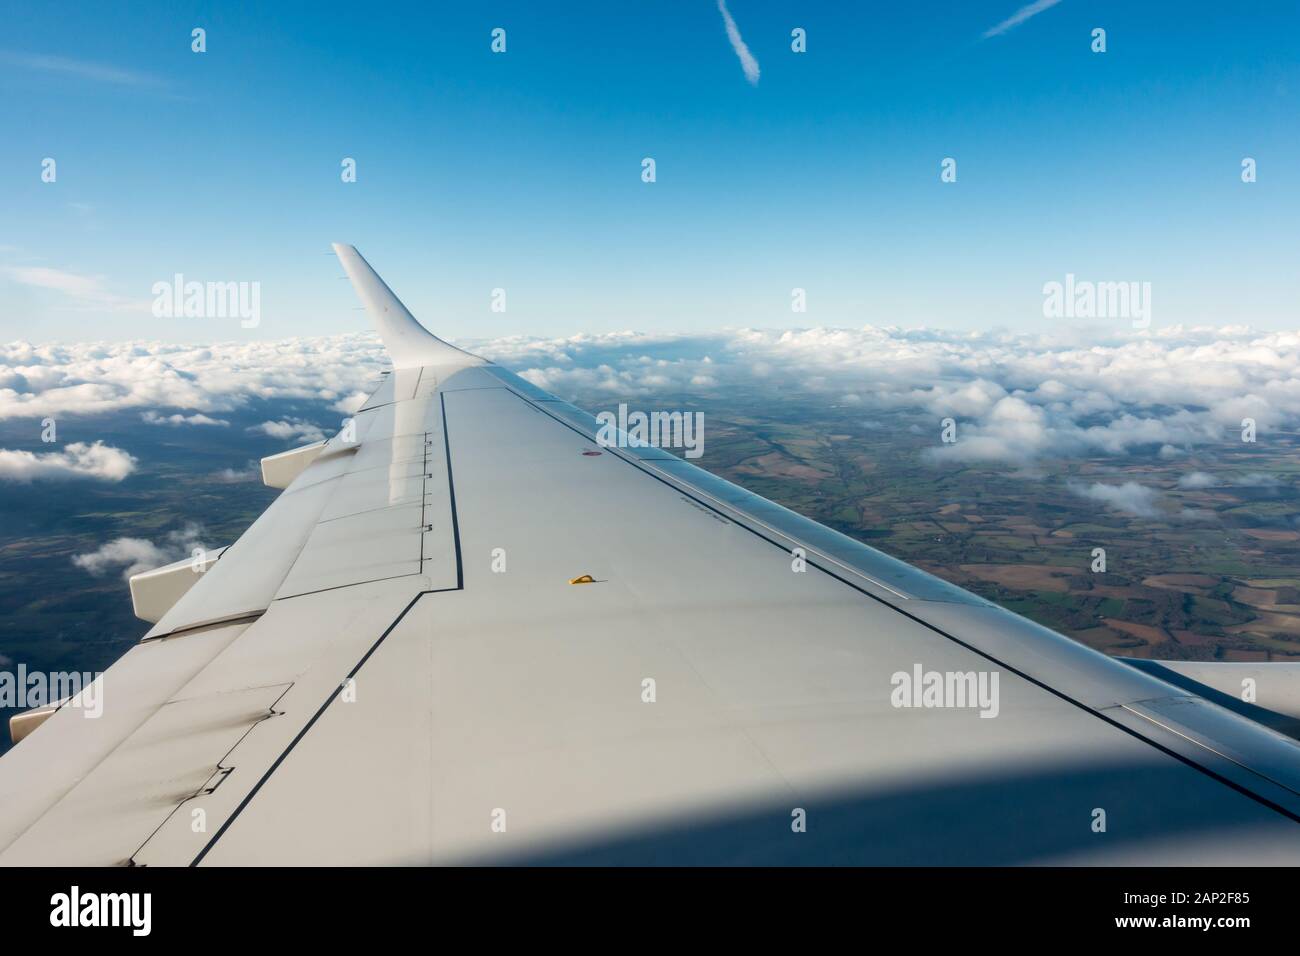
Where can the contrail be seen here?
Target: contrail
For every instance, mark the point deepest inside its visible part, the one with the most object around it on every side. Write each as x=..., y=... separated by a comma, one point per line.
x=747, y=61
x=1020, y=16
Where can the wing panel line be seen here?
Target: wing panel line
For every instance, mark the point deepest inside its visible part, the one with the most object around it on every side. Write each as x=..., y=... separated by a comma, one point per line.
x=460, y=584
x=451, y=490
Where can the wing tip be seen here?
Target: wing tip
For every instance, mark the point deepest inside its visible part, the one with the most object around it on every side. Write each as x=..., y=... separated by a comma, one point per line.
x=408, y=342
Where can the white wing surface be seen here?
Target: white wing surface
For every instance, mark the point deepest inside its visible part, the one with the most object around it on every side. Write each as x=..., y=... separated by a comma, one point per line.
x=392, y=665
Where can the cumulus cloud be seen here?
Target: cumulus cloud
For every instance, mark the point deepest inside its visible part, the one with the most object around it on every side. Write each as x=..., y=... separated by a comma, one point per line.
x=133, y=555
x=153, y=418
x=77, y=460
x=290, y=430
x=250, y=472
x=1012, y=430
x=747, y=62
x=1130, y=497
x=350, y=404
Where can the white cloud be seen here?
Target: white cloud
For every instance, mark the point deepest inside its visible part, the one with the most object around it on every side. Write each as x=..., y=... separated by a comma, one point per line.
x=1257, y=480
x=747, y=62
x=133, y=555
x=1013, y=430
x=153, y=418
x=77, y=460
x=1020, y=16
x=1130, y=497
x=1254, y=479
x=250, y=472
x=291, y=429
x=350, y=404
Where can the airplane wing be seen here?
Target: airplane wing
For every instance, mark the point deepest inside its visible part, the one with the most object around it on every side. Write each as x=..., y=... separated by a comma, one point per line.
x=472, y=629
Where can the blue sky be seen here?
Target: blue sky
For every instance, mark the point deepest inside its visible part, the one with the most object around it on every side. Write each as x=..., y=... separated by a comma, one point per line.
x=523, y=170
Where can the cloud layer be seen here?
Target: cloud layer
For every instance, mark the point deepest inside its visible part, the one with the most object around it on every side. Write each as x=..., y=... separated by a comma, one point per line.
x=53, y=380
x=1016, y=398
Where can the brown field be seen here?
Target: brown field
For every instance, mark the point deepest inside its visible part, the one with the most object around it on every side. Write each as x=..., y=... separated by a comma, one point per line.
x=1112, y=642
x=1272, y=534
x=1180, y=582
x=1192, y=639
x=1022, y=577
x=776, y=465
x=1143, y=632
x=1255, y=597
x=1118, y=591
x=1271, y=624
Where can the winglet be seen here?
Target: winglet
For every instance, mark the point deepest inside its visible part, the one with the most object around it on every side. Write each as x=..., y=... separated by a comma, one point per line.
x=409, y=344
